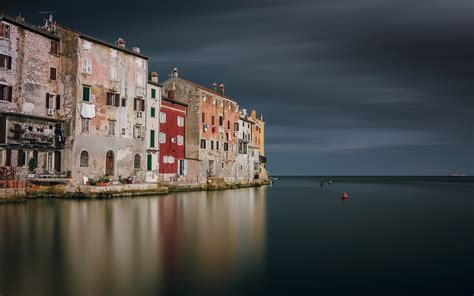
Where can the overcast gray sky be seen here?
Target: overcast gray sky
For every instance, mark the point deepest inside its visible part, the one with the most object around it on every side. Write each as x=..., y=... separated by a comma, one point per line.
x=366, y=87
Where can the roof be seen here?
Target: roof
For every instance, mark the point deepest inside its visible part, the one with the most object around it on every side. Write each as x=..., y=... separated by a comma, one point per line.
x=95, y=40
x=205, y=89
x=29, y=27
x=154, y=83
x=174, y=102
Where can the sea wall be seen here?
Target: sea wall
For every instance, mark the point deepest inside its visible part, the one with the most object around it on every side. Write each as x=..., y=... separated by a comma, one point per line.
x=70, y=191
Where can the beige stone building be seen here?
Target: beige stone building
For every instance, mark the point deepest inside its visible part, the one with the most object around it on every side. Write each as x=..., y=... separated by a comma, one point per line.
x=106, y=87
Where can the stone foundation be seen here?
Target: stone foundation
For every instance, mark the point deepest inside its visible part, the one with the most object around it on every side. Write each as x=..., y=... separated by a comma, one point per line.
x=69, y=190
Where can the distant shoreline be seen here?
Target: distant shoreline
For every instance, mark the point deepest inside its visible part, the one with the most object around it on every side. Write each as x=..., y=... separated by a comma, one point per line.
x=452, y=179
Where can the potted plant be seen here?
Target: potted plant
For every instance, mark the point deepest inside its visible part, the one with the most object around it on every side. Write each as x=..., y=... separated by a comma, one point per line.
x=103, y=181
x=32, y=164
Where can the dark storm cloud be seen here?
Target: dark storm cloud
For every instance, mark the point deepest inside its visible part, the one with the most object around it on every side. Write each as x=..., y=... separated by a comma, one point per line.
x=347, y=87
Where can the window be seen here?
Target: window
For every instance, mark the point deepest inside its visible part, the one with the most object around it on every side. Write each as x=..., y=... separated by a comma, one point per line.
x=162, y=138
x=54, y=47
x=152, y=112
x=212, y=145
x=226, y=146
x=137, y=161
x=236, y=126
x=52, y=73
x=124, y=102
x=153, y=93
x=87, y=45
x=137, y=131
x=5, y=31
x=87, y=66
x=49, y=101
x=21, y=158
x=6, y=93
x=113, y=99
x=85, y=125
x=203, y=117
x=139, y=79
x=86, y=93
x=162, y=117
x=228, y=124
x=139, y=104
x=149, y=162
x=221, y=120
x=203, y=144
x=111, y=128
x=217, y=145
x=5, y=61
x=84, y=160
x=180, y=140
x=152, y=139
x=212, y=120
x=113, y=72
x=180, y=121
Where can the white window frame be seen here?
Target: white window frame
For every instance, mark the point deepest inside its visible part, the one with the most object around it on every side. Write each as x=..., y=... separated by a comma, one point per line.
x=85, y=125
x=162, y=117
x=180, y=140
x=87, y=66
x=113, y=72
x=162, y=138
x=111, y=128
x=180, y=121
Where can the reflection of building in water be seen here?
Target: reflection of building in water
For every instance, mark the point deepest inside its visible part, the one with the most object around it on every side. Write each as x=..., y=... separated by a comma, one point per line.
x=195, y=241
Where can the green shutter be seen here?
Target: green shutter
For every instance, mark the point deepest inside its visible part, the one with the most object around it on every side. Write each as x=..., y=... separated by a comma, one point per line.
x=148, y=162
x=152, y=139
x=152, y=112
x=86, y=93
x=153, y=93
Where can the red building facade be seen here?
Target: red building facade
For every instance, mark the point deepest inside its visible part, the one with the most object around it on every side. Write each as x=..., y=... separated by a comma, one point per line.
x=171, y=139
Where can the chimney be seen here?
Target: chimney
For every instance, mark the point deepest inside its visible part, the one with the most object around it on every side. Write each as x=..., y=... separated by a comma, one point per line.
x=175, y=72
x=214, y=87
x=221, y=86
x=20, y=18
x=154, y=76
x=171, y=94
x=254, y=114
x=120, y=42
x=135, y=49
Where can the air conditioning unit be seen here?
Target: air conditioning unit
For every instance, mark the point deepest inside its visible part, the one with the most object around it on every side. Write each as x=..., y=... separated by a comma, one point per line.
x=50, y=112
x=140, y=113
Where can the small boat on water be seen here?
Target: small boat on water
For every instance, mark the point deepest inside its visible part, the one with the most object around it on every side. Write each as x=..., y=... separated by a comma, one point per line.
x=330, y=182
x=344, y=196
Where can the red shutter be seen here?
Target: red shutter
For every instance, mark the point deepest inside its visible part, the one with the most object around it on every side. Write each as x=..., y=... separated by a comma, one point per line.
x=47, y=100
x=58, y=102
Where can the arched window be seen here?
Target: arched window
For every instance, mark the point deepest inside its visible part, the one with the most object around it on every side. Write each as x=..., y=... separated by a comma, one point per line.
x=84, y=163
x=137, y=161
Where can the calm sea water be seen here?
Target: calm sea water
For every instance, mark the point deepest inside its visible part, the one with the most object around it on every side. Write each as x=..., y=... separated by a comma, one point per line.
x=293, y=238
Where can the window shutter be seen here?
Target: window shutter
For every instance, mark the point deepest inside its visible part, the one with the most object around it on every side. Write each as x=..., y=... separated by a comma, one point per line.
x=58, y=102
x=142, y=105
x=10, y=93
x=135, y=104
x=9, y=63
x=152, y=139
x=2, y=92
x=117, y=100
x=149, y=162
x=2, y=30
x=52, y=73
x=47, y=100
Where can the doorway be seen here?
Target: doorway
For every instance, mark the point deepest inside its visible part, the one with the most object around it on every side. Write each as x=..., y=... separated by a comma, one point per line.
x=109, y=163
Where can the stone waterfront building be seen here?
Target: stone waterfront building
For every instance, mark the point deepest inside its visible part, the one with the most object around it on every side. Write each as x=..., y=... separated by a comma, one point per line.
x=33, y=112
x=210, y=135
x=106, y=87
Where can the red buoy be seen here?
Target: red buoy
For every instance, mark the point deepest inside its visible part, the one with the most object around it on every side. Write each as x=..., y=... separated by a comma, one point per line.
x=345, y=195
